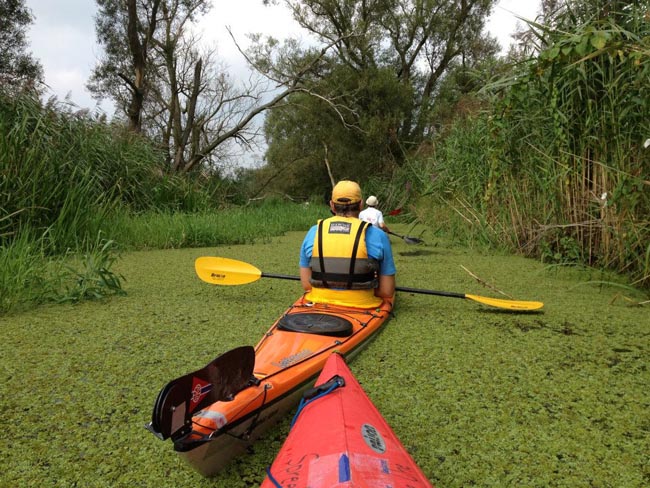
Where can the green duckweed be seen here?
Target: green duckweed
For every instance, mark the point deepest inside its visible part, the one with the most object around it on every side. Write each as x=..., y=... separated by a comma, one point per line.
x=478, y=396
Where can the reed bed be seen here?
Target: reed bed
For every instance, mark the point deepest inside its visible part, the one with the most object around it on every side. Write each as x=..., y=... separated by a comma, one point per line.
x=559, y=167
x=75, y=190
x=231, y=225
x=29, y=276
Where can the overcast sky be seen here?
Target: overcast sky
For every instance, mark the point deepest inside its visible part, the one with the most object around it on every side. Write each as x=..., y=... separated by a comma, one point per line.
x=62, y=36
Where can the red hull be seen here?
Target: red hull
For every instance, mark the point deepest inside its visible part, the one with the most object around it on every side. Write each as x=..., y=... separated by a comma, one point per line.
x=341, y=440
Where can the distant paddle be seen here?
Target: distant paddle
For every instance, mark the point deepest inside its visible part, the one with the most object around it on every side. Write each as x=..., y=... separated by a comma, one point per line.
x=407, y=239
x=225, y=271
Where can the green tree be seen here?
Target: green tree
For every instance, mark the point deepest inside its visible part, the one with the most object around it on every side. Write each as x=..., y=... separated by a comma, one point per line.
x=126, y=30
x=170, y=89
x=18, y=69
x=314, y=138
x=377, y=89
x=420, y=40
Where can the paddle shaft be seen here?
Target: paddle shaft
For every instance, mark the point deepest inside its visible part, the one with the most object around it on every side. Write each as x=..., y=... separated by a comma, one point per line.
x=225, y=271
x=430, y=292
x=407, y=239
x=421, y=291
x=281, y=277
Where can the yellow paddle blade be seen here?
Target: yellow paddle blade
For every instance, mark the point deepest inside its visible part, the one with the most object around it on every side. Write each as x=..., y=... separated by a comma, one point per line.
x=509, y=304
x=224, y=271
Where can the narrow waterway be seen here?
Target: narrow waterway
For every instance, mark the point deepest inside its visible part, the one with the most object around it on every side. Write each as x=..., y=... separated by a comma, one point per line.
x=479, y=396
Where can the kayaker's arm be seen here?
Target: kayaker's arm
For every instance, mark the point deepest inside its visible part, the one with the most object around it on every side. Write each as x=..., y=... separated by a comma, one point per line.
x=386, y=288
x=305, y=277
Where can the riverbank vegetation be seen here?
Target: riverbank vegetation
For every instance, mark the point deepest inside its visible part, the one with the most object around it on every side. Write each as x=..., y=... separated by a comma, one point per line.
x=559, y=167
x=543, y=153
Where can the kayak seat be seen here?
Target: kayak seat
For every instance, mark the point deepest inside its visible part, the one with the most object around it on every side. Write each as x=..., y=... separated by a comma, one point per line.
x=316, y=323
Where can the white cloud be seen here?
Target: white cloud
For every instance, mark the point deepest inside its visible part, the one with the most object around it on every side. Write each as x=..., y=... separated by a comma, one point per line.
x=69, y=79
x=63, y=35
x=63, y=40
x=504, y=22
x=244, y=17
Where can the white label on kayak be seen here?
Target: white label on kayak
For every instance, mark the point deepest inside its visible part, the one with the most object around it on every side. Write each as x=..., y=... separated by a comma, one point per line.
x=293, y=359
x=218, y=418
x=373, y=438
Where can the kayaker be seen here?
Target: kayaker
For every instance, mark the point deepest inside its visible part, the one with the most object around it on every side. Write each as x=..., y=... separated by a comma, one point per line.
x=339, y=244
x=373, y=215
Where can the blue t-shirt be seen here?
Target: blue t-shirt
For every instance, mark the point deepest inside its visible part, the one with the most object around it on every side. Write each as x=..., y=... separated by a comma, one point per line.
x=377, y=244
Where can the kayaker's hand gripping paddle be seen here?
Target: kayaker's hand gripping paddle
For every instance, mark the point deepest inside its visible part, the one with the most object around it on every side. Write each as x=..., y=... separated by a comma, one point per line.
x=226, y=271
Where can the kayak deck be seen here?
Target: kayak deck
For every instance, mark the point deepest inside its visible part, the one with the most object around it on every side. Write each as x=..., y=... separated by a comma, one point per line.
x=288, y=359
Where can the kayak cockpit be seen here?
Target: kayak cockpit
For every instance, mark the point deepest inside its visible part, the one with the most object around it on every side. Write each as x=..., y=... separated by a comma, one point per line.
x=316, y=323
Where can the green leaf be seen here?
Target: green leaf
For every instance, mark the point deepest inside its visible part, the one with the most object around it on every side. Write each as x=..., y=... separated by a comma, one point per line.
x=551, y=53
x=582, y=46
x=598, y=40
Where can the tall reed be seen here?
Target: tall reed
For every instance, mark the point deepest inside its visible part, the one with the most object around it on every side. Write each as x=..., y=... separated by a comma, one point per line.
x=558, y=168
x=24, y=273
x=63, y=172
x=230, y=225
x=63, y=177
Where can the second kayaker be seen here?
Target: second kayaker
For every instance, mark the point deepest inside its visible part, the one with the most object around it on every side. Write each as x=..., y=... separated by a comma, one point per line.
x=373, y=215
x=344, y=260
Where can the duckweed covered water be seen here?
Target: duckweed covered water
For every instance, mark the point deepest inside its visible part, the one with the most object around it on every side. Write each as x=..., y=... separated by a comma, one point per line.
x=479, y=396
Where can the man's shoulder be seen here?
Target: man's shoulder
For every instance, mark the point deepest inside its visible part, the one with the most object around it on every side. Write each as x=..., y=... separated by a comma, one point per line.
x=311, y=232
x=376, y=234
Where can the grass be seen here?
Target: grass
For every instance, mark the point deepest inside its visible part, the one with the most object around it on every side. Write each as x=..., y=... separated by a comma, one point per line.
x=233, y=225
x=30, y=275
x=479, y=397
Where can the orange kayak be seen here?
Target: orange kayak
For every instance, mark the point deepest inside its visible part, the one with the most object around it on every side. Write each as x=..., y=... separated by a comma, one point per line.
x=338, y=438
x=214, y=414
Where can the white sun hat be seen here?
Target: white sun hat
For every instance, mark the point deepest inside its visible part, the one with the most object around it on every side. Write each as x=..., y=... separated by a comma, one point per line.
x=371, y=201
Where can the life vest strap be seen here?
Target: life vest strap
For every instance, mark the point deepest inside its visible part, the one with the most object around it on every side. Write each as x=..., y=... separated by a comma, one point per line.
x=321, y=258
x=345, y=279
x=353, y=258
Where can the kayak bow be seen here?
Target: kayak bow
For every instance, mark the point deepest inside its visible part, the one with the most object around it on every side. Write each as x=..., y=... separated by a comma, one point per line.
x=342, y=440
